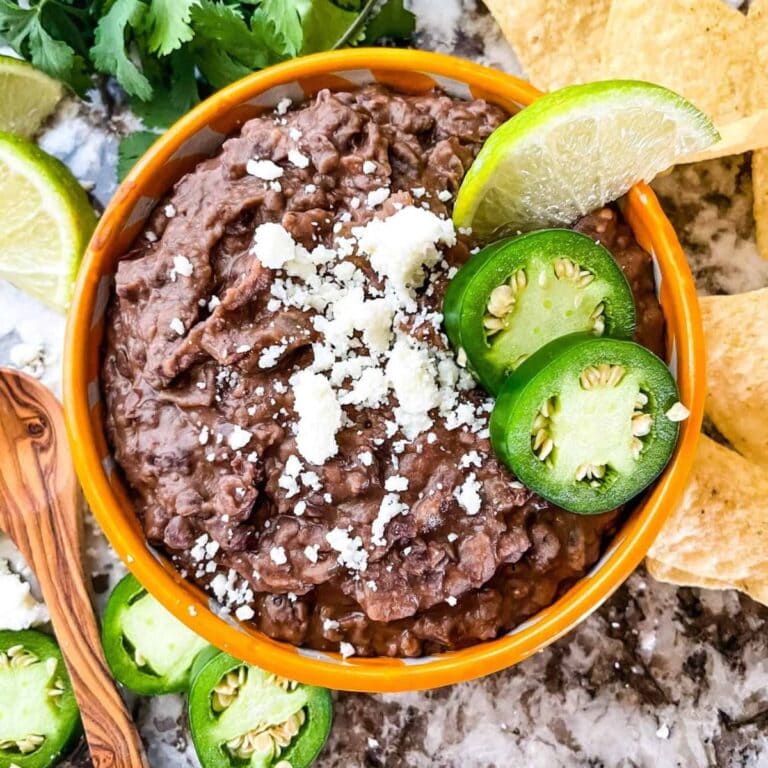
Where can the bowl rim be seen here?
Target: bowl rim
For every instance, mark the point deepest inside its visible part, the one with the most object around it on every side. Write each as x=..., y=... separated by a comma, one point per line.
x=188, y=603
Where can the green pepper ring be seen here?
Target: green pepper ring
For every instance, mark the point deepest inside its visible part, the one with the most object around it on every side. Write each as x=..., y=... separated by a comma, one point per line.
x=467, y=296
x=538, y=378
x=49, y=753
x=124, y=668
x=209, y=668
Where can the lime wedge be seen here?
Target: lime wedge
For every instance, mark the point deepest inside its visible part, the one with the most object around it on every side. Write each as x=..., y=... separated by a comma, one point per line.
x=27, y=96
x=46, y=222
x=575, y=150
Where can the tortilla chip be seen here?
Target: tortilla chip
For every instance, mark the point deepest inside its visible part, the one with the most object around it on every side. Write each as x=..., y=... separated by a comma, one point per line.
x=558, y=42
x=670, y=43
x=736, y=138
x=719, y=531
x=760, y=190
x=663, y=572
x=736, y=333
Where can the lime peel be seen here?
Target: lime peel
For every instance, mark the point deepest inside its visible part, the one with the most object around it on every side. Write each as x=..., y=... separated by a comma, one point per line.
x=47, y=221
x=29, y=96
x=573, y=151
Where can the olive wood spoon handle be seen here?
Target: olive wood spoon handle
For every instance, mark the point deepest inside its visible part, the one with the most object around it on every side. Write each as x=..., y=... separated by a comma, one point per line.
x=40, y=510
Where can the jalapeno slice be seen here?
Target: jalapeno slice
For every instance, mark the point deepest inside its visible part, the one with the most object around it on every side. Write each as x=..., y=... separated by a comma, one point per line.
x=148, y=650
x=583, y=422
x=521, y=293
x=242, y=715
x=39, y=718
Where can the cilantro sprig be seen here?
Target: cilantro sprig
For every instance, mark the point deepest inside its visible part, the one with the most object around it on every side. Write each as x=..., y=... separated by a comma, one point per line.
x=169, y=54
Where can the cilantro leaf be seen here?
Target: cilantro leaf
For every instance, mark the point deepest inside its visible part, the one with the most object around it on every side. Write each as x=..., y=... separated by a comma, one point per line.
x=109, y=54
x=393, y=21
x=130, y=149
x=24, y=32
x=286, y=17
x=167, y=22
x=226, y=48
x=175, y=89
x=324, y=24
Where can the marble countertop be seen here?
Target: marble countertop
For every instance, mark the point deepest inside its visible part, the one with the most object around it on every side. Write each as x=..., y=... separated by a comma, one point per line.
x=657, y=676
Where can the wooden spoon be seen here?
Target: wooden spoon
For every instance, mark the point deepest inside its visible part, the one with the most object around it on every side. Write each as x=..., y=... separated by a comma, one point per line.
x=40, y=510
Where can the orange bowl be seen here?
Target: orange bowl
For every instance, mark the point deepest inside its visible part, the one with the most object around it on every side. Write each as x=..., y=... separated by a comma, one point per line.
x=199, y=135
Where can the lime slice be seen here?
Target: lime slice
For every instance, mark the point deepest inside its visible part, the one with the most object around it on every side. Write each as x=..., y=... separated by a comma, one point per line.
x=46, y=222
x=575, y=150
x=27, y=96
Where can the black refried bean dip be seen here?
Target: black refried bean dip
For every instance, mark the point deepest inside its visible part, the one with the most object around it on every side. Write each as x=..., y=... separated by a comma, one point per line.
x=295, y=431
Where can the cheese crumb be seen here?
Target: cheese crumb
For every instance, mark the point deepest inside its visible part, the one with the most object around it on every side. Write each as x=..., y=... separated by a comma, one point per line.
x=278, y=556
x=177, y=326
x=263, y=169
x=468, y=494
x=377, y=196
x=451, y=600
x=412, y=373
x=181, y=266
x=238, y=438
x=283, y=105
x=297, y=158
x=396, y=483
x=352, y=555
x=346, y=650
x=400, y=246
x=320, y=416
x=390, y=508
x=369, y=167
x=273, y=245
x=310, y=552
x=244, y=613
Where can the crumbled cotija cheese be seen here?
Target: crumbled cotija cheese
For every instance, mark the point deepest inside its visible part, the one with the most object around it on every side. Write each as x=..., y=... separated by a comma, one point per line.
x=401, y=245
x=297, y=158
x=263, y=169
x=320, y=416
x=273, y=245
x=352, y=555
x=412, y=373
x=181, y=266
x=238, y=438
x=468, y=494
x=390, y=508
x=278, y=556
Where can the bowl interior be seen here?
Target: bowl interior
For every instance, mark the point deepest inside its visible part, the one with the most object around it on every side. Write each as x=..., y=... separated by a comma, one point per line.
x=198, y=136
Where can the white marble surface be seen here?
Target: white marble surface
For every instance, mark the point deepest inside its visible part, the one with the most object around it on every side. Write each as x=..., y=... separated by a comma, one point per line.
x=657, y=677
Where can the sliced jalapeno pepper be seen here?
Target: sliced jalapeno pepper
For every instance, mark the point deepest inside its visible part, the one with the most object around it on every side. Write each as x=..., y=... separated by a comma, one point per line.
x=148, y=650
x=242, y=715
x=39, y=718
x=518, y=294
x=583, y=422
